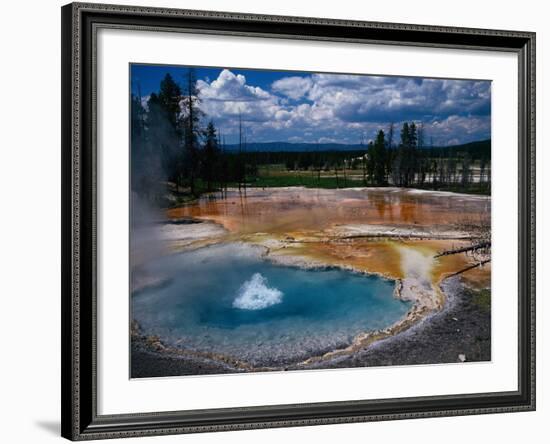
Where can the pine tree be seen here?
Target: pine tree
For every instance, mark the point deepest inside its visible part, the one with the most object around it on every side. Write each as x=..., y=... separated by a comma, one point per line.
x=413, y=136
x=412, y=165
x=139, y=155
x=169, y=97
x=211, y=154
x=378, y=151
x=402, y=162
x=192, y=131
x=164, y=137
x=390, y=155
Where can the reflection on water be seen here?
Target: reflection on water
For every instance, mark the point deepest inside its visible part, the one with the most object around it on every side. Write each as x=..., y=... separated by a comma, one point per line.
x=307, y=216
x=288, y=209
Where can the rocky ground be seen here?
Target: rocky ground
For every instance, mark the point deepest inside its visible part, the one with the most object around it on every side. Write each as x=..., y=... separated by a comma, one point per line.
x=461, y=332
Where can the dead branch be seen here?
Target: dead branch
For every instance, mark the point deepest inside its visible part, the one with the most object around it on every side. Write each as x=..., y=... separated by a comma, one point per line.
x=408, y=236
x=477, y=246
x=479, y=264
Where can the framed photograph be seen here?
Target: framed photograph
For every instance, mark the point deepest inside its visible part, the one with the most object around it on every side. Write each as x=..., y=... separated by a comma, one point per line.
x=281, y=221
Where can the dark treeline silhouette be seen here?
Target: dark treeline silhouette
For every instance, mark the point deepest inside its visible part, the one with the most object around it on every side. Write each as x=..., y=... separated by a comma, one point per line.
x=171, y=146
x=175, y=145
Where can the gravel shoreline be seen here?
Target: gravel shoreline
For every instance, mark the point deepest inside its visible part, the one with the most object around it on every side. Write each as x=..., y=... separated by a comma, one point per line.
x=460, y=332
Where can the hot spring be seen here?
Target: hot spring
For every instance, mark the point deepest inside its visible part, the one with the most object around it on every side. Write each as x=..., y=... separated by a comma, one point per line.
x=228, y=299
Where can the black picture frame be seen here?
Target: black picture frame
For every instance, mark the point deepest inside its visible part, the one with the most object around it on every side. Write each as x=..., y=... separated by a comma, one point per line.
x=80, y=420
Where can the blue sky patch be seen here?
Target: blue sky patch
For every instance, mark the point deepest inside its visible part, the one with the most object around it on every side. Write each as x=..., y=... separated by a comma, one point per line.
x=318, y=108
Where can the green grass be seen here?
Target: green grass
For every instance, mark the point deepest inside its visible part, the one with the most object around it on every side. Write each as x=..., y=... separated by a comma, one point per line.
x=278, y=176
x=283, y=178
x=303, y=180
x=184, y=195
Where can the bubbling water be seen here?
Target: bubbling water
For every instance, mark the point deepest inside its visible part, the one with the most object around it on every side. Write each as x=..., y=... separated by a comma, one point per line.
x=228, y=299
x=254, y=294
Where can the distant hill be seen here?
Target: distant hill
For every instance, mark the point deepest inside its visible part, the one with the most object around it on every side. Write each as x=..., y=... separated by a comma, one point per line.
x=295, y=147
x=475, y=149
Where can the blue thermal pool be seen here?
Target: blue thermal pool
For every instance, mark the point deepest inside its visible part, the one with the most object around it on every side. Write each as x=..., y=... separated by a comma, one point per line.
x=228, y=299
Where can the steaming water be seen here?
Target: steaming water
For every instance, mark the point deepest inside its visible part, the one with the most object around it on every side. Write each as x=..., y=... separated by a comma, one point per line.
x=255, y=294
x=228, y=299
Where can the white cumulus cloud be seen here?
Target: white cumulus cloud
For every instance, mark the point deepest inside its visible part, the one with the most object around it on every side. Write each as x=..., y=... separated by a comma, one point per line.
x=294, y=87
x=346, y=107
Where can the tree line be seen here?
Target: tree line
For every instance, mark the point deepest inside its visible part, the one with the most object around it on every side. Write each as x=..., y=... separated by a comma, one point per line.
x=171, y=144
x=410, y=162
x=174, y=142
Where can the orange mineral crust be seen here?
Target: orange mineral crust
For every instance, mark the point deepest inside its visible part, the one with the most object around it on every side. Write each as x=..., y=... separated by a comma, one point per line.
x=373, y=230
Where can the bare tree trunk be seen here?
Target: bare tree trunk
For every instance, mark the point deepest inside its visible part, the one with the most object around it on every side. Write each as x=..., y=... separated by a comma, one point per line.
x=465, y=249
x=479, y=264
x=345, y=177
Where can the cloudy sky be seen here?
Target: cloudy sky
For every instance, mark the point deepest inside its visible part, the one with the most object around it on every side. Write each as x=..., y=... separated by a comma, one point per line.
x=314, y=107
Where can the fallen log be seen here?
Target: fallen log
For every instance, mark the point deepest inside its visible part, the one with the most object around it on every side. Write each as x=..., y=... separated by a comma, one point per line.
x=464, y=249
x=416, y=236
x=479, y=264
